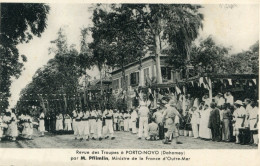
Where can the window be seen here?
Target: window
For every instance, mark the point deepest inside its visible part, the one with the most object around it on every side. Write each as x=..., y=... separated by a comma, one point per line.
x=116, y=84
x=134, y=78
x=146, y=75
x=166, y=73
x=122, y=82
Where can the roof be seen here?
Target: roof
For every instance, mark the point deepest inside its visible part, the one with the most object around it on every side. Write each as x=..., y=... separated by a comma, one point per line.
x=136, y=63
x=212, y=76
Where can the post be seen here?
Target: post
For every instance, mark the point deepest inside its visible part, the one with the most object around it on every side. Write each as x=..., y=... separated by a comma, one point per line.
x=210, y=90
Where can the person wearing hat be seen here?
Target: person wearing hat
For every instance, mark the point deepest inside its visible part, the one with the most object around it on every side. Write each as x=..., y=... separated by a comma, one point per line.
x=41, y=123
x=133, y=120
x=126, y=121
x=115, y=118
x=74, y=124
x=143, y=114
x=93, y=123
x=229, y=98
x=226, y=117
x=214, y=122
x=253, y=120
x=85, y=124
x=99, y=122
x=221, y=100
x=67, y=122
x=204, y=131
x=248, y=107
x=239, y=116
x=158, y=116
x=171, y=119
x=108, y=115
x=78, y=123
x=12, y=128
x=206, y=99
x=195, y=121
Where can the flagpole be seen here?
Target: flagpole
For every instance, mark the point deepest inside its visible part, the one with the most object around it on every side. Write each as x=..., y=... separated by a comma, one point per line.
x=210, y=90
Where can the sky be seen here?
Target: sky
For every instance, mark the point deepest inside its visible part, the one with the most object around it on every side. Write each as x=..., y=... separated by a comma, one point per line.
x=236, y=28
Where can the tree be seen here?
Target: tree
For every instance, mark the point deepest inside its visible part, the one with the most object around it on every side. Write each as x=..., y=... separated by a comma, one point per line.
x=209, y=55
x=162, y=25
x=57, y=82
x=19, y=23
x=245, y=62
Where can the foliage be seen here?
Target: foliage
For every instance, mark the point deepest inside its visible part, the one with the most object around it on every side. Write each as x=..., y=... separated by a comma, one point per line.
x=19, y=23
x=60, y=76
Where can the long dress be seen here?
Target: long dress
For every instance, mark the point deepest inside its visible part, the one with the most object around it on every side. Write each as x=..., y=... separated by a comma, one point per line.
x=204, y=131
x=41, y=124
x=12, y=128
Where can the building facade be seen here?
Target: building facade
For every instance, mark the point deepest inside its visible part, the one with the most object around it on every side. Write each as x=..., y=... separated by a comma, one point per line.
x=143, y=74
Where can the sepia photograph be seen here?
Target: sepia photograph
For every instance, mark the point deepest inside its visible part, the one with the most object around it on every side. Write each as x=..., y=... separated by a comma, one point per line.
x=129, y=76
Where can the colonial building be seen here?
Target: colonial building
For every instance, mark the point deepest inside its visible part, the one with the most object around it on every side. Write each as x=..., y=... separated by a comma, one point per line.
x=142, y=74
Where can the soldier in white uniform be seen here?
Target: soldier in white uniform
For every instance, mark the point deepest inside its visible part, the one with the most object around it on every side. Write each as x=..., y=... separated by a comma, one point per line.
x=99, y=124
x=74, y=115
x=171, y=118
x=143, y=120
x=126, y=121
x=41, y=123
x=93, y=123
x=253, y=120
x=79, y=125
x=239, y=116
x=74, y=124
x=108, y=115
x=85, y=124
x=133, y=120
x=115, y=118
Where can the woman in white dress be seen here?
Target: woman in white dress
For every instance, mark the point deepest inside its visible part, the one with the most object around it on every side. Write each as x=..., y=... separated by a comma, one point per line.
x=12, y=128
x=60, y=122
x=67, y=123
x=41, y=124
x=204, y=131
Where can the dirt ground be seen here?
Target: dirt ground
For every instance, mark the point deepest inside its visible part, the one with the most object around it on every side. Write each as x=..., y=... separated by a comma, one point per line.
x=124, y=140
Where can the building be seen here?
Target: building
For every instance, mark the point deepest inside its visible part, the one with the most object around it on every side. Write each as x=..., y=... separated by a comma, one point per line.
x=143, y=74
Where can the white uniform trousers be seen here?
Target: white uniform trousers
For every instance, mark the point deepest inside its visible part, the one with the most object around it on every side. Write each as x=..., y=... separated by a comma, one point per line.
x=143, y=126
x=109, y=127
x=195, y=130
x=93, y=127
x=134, y=131
x=85, y=126
x=99, y=128
x=76, y=128
x=126, y=125
x=41, y=126
x=73, y=124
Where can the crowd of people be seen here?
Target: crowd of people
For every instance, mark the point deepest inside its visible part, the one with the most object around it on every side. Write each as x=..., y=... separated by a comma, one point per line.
x=217, y=119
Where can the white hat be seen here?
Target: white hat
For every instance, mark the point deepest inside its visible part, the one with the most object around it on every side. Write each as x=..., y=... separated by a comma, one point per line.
x=239, y=102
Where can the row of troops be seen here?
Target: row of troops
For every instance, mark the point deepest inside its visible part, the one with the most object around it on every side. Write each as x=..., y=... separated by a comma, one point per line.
x=95, y=124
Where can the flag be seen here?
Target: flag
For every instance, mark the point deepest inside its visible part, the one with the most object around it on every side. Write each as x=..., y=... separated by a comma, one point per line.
x=177, y=89
x=254, y=80
x=200, y=81
x=229, y=81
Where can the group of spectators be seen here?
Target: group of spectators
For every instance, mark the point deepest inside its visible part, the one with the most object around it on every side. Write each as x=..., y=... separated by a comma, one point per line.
x=217, y=119
x=13, y=125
